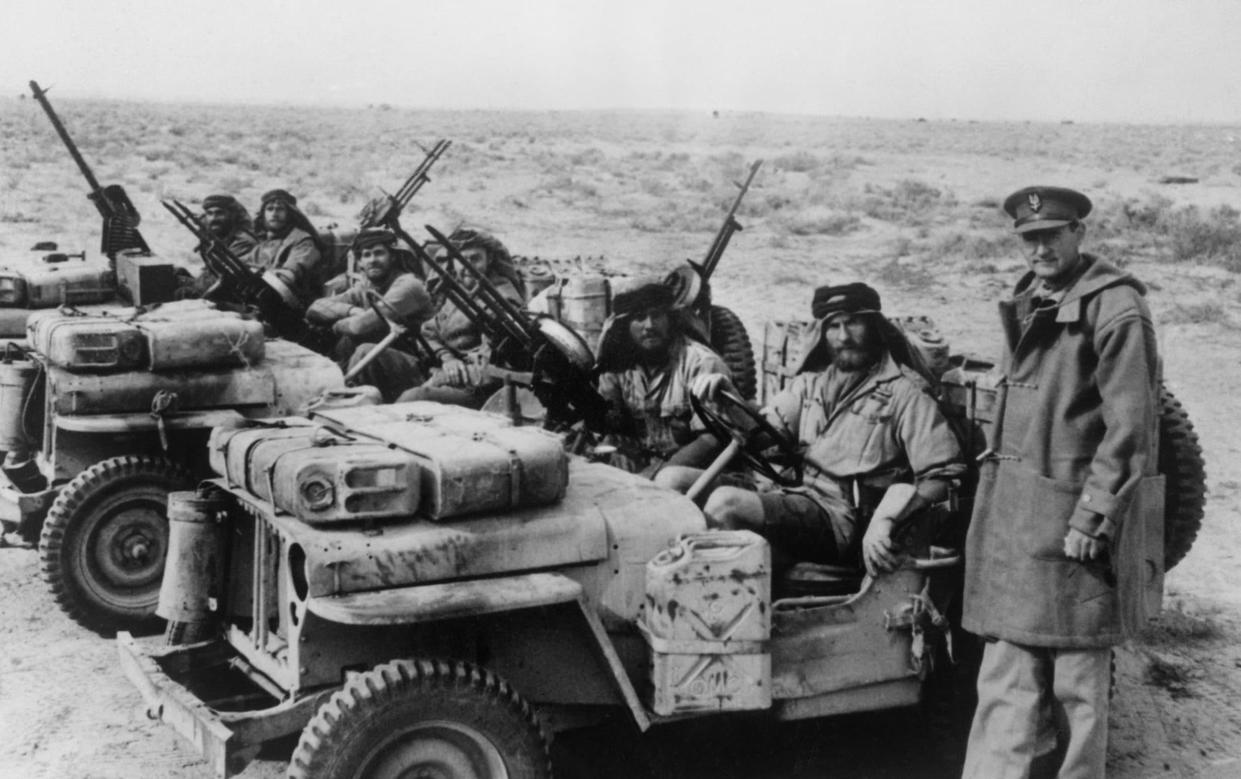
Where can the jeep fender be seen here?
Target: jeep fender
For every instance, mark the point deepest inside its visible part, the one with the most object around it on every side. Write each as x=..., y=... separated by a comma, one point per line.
x=432, y=602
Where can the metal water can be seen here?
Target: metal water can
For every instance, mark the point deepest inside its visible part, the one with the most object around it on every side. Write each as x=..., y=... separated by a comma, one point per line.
x=707, y=620
x=193, y=570
x=17, y=376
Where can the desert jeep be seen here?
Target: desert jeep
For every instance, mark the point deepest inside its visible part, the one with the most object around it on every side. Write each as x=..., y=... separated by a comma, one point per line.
x=420, y=587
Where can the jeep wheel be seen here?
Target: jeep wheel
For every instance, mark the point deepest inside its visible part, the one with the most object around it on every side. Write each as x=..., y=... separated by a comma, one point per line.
x=423, y=718
x=103, y=544
x=1180, y=461
x=730, y=340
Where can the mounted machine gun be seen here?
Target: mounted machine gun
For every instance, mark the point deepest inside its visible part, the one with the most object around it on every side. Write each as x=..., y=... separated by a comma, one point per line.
x=559, y=362
x=275, y=302
x=723, y=329
x=120, y=217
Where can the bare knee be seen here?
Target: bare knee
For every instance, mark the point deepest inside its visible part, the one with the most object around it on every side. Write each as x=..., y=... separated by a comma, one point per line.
x=733, y=508
x=677, y=477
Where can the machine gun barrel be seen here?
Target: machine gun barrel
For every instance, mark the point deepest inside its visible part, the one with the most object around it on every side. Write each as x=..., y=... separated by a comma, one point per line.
x=564, y=385
x=385, y=211
x=730, y=226
x=120, y=217
x=493, y=326
x=218, y=259
x=420, y=175
x=494, y=299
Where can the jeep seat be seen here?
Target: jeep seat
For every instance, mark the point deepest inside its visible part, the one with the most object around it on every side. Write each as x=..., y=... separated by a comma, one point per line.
x=816, y=579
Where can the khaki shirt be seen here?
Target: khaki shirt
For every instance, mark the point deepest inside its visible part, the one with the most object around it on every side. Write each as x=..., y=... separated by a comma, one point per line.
x=350, y=312
x=296, y=257
x=884, y=428
x=658, y=402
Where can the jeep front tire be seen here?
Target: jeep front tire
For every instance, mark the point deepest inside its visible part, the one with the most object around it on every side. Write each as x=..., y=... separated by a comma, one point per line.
x=423, y=718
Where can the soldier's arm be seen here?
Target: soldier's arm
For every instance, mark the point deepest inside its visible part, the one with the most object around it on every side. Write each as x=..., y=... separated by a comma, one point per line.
x=326, y=311
x=931, y=447
x=1127, y=377
x=406, y=296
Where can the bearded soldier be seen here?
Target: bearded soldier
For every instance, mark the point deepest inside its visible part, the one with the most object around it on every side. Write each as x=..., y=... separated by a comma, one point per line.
x=647, y=364
x=866, y=421
x=288, y=248
x=227, y=219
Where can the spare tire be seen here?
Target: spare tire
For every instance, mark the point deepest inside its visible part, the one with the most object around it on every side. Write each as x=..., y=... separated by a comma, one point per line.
x=1181, y=463
x=730, y=340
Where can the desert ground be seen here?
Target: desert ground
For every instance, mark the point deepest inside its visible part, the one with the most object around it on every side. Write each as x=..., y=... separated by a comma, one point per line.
x=910, y=206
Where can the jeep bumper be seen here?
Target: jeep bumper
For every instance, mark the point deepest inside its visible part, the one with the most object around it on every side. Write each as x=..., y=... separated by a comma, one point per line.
x=205, y=691
x=23, y=512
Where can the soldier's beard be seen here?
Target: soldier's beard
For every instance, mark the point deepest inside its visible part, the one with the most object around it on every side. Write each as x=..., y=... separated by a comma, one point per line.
x=856, y=358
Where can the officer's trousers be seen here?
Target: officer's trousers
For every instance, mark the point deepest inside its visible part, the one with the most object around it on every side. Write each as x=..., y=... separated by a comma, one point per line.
x=1025, y=695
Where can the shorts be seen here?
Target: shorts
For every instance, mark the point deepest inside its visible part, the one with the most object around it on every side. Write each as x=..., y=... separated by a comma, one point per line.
x=805, y=528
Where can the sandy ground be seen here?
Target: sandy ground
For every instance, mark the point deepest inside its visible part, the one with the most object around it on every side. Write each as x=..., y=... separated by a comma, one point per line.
x=66, y=711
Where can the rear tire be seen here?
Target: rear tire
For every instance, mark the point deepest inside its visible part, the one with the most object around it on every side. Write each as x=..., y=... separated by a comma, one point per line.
x=423, y=717
x=731, y=341
x=1181, y=463
x=104, y=541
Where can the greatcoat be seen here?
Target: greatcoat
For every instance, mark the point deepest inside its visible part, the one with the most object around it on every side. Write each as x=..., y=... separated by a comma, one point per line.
x=1074, y=441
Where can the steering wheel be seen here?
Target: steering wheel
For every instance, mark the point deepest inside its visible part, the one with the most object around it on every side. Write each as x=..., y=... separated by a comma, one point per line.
x=396, y=329
x=724, y=427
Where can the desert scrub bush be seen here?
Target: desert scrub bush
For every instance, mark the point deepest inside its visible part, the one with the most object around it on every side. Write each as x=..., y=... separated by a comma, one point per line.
x=1196, y=314
x=906, y=274
x=819, y=220
x=1215, y=239
x=908, y=202
x=972, y=246
x=566, y=188
x=797, y=162
x=590, y=156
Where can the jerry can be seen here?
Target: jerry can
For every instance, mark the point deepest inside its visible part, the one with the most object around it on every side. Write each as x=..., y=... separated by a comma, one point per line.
x=706, y=621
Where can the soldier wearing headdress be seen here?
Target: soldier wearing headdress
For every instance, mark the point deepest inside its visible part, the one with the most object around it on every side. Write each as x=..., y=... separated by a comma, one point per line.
x=455, y=340
x=356, y=326
x=866, y=421
x=289, y=248
x=227, y=219
x=647, y=363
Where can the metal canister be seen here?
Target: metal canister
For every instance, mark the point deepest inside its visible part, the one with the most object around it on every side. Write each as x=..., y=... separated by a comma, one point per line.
x=16, y=379
x=193, y=572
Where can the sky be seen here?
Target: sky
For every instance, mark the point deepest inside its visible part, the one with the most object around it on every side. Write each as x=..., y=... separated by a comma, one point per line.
x=1091, y=60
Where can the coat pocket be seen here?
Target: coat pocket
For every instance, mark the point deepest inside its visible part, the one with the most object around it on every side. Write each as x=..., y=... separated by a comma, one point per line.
x=1039, y=508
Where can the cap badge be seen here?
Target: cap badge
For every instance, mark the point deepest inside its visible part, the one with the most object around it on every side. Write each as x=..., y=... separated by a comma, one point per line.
x=1035, y=201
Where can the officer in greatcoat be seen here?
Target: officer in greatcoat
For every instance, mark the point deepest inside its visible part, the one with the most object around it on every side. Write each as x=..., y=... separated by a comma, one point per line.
x=1064, y=547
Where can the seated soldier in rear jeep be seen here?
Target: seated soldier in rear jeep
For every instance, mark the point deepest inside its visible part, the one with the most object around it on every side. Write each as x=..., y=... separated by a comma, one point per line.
x=865, y=422
x=647, y=363
x=356, y=327
x=456, y=341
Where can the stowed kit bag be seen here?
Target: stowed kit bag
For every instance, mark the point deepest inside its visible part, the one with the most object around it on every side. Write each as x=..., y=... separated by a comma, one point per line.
x=410, y=459
x=187, y=334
